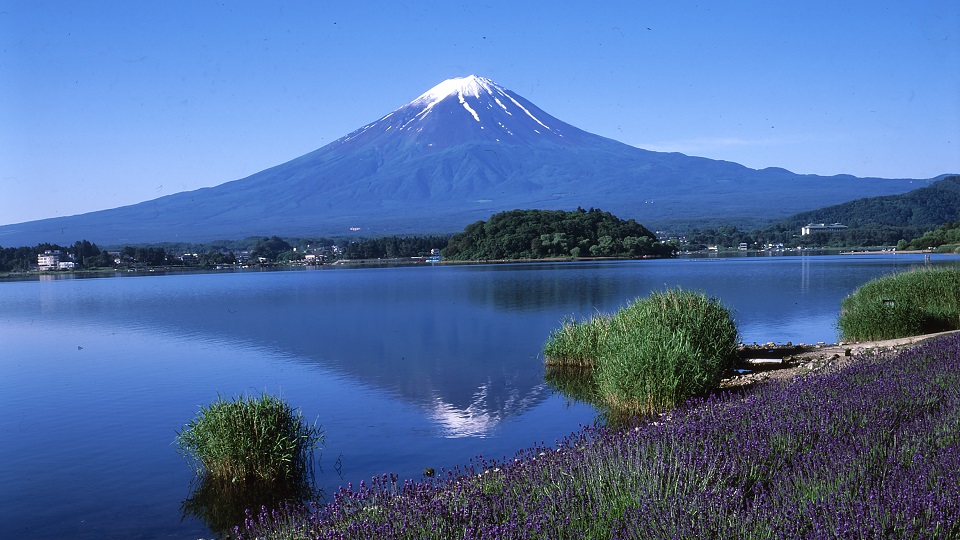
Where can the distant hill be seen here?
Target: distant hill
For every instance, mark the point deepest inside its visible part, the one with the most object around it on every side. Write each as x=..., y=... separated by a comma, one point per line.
x=460, y=152
x=873, y=221
x=923, y=208
x=539, y=234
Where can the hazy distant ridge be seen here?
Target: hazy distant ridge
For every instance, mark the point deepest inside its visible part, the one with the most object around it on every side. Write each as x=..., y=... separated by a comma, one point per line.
x=926, y=208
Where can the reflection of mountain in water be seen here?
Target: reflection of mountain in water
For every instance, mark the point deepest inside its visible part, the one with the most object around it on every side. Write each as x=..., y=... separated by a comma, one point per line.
x=483, y=414
x=460, y=342
x=418, y=334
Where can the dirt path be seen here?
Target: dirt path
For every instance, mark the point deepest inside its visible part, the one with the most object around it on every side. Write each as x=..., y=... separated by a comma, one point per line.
x=771, y=362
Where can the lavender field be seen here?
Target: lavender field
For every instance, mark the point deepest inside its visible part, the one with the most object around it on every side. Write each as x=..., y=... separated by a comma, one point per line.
x=869, y=451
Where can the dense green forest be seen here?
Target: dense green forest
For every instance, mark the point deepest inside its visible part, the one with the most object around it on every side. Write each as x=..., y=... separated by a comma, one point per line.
x=392, y=247
x=537, y=234
x=943, y=238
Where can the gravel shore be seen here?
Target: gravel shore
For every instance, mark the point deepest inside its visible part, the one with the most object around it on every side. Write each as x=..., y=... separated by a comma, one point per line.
x=765, y=362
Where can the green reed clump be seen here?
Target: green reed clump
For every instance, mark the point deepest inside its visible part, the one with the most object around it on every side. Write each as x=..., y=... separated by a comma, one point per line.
x=250, y=439
x=905, y=304
x=665, y=349
x=652, y=354
x=576, y=343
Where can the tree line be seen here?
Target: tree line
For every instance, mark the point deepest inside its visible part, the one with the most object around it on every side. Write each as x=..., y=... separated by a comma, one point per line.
x=947, y=235
x=728, y=236
x=392, y=247
x=517, y=234
x=87, y=255
x=84, y=253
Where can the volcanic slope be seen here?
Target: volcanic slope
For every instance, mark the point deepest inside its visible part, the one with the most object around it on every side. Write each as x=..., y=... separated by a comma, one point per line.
x=461, y=151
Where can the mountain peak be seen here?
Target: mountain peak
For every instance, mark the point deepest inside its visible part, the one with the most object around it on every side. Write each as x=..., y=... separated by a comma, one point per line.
x=470, y=85
x=478, y=96
x=460, y=88
x=463, y=110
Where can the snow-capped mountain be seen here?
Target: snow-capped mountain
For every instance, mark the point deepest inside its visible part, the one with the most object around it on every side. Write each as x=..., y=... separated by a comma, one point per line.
x=459, y=152
x=497, y=115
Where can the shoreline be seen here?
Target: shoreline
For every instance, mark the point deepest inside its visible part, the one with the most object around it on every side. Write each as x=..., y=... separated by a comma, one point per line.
x=764, y=364
x=423, y=261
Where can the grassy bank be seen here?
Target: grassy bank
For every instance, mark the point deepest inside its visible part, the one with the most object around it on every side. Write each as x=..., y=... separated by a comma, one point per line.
x=870, y=451
x=909, y=303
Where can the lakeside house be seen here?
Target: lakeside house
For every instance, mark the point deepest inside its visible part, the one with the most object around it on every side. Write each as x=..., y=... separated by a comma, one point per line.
x=811, y=228
x=54, y=259
x=49, y=259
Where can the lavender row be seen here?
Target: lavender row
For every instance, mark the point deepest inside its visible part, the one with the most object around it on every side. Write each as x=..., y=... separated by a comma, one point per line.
x=871, y=451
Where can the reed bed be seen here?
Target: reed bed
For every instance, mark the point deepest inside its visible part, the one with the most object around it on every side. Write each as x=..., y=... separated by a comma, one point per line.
x=249, y=439
x=652, y=354
x=899, y=305
x=870, y=451
x=577, y=343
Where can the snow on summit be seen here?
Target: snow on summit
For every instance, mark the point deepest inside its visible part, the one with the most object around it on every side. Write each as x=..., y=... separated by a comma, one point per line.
x=470, y=86
x=464, y=110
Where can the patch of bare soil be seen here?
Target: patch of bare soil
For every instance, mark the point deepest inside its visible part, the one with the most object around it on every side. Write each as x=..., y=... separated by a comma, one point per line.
x=771, y=361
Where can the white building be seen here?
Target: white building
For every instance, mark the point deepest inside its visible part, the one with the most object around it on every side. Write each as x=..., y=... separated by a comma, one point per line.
x=811, y=228
x=49, y=260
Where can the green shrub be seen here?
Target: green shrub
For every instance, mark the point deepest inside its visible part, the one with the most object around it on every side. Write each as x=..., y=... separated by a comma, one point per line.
x=899, y=305
x=652, y=354
x=250, y=439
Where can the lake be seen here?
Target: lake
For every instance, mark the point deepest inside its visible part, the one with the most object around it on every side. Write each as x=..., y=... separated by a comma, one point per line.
x=404, y=368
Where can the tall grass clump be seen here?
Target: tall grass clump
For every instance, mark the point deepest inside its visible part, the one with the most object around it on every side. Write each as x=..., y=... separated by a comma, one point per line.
x=905, y=304
x=652, y=354
x=576, y=343
x=664, y=349
x=250, y=439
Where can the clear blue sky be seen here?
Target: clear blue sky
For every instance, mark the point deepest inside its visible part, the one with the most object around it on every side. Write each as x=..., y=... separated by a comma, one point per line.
x=104, y=104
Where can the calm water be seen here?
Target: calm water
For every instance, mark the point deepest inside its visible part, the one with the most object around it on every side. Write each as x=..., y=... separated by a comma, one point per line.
x=404, y=368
